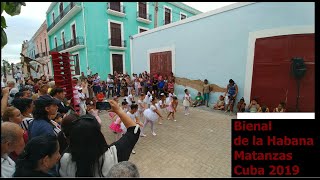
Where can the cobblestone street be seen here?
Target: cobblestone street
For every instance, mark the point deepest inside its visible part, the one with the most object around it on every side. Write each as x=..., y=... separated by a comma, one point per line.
x=198, y=145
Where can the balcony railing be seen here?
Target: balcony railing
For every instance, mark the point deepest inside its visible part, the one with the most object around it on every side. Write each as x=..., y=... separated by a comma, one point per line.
x=69, y=44
x=62, y=14
x=144, y=16
x=121, y=8
x=117, y=42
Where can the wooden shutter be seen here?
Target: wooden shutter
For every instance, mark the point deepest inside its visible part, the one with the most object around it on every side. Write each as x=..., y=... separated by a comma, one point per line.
x=142, y=30
x=117, y=63
x=115, y=6
x=115, y=34
x=167, y=15
x=77, y=64
x=143, y=10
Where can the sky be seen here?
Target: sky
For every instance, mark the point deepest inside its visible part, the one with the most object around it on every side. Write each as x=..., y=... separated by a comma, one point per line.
x=23, y=26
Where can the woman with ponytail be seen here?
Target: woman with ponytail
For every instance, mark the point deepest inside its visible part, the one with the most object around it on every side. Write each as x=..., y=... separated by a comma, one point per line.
x=39, y=156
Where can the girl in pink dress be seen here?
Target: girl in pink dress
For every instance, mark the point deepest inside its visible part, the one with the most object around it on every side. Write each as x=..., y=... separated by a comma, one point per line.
x=172, y=108
x=115, y=125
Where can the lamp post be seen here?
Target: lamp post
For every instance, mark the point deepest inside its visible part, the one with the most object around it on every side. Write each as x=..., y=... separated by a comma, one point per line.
x=4, y=69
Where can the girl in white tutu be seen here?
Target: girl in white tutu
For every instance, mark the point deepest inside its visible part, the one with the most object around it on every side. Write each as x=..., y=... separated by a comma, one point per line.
x=147, y=99
x=162, y=105
x=151, y=115
x=186, y=102
x=141, y=105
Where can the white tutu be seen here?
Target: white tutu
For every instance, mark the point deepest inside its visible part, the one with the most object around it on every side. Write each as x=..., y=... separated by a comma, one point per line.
x=151, y=115
x=186, y=102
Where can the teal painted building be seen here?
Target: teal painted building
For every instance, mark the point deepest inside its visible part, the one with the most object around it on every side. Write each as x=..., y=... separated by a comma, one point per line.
x=98, y=33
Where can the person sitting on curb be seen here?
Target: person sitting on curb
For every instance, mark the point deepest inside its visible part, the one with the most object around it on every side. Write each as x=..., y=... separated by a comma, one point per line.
x=220, y=103
x=198, y=100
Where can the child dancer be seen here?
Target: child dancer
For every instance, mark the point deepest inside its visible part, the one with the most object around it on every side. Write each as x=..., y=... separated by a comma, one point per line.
x=148, y=98
x=115, y=125
x=172, y=108
x=186, y=102
x=162, y=105
x=134, y=116
x=93, y=111
x=141, y=104
x=151, y=115
x=130, y=97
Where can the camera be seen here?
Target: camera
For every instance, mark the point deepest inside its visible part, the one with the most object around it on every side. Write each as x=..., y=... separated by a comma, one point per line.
x=103, y=105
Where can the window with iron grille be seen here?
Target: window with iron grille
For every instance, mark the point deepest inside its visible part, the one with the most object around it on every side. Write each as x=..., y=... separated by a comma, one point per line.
x=167, y=16
x=115, y=6
x=115, y=34
x=55, y=42
x=143, y=10
x=77, y=64
x=142, y=30
x=182, y=16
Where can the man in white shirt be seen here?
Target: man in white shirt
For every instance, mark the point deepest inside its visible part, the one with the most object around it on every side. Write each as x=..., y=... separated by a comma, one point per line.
x=89, y=72
x=110, y=83
x=11, y=140
x=82, y=103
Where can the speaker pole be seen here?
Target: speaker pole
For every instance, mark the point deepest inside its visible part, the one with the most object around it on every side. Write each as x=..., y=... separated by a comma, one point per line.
x=298, y=96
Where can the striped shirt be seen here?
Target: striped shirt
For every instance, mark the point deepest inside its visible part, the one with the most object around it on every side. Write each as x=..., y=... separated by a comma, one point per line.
x=25, y=123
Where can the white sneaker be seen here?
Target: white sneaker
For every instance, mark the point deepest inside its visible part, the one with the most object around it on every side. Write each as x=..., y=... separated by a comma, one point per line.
x=154, y=134
x=143, y=135
x=133, y=152
x=174, y=120
x=186, y=114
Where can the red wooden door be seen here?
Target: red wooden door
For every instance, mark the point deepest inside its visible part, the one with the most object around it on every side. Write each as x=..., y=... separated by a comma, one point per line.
x=272, y=81
x=117, y=63
x=161, y=62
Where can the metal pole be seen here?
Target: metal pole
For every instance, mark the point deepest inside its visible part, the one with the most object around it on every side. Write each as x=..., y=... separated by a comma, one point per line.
x=12, y=70
x=156, y=15
x=4, y=69
x=298, y=96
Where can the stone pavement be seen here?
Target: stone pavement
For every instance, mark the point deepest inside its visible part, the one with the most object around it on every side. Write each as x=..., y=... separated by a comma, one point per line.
x=198, y=145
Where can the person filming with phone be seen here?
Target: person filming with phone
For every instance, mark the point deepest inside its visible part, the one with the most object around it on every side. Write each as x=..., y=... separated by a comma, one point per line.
x=88, y=154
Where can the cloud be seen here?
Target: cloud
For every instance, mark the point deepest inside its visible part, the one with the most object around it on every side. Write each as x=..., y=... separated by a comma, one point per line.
x=22, y=27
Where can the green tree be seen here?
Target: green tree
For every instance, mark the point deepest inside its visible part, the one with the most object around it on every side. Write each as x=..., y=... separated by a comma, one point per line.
x=11, y=8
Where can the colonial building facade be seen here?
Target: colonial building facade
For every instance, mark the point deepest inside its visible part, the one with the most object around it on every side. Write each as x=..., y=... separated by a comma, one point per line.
x=97, y=34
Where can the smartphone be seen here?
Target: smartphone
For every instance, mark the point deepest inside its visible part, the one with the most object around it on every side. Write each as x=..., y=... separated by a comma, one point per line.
x=103, y=105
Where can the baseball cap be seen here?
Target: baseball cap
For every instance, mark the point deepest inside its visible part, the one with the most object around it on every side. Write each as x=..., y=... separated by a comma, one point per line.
x=46, y=100
x=162, y=94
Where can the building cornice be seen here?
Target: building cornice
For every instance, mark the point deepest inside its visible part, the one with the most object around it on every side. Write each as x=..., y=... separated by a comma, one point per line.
x=51, y=7
x=183, y=6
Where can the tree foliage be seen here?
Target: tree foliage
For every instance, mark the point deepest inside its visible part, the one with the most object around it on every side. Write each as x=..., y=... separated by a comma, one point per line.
x=11, y=8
